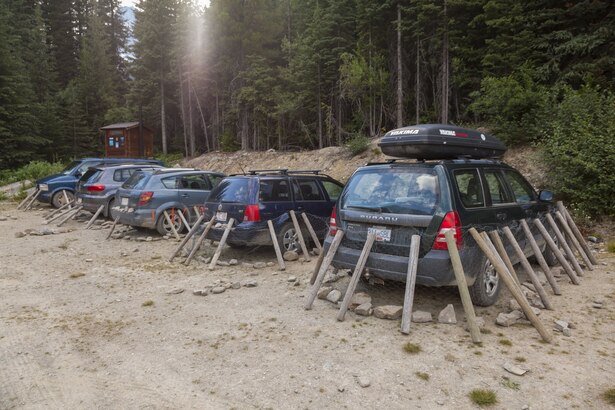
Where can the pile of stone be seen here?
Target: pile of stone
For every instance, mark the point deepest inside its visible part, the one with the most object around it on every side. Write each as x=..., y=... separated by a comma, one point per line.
x=564, y=326
x=220, y=286
x=515, y=314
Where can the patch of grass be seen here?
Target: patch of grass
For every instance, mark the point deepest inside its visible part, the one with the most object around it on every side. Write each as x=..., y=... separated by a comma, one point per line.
x=520, y=359
x=510, y=384
x=3, y=196
x=483, y=397
x=610, y=246
x=422, y=376
x=505, y=342
x=76, y=275
x=148, y=303
x=609, y=396
x=486, y=331
x=375, y=151
x=411, y=348
x=478, y=353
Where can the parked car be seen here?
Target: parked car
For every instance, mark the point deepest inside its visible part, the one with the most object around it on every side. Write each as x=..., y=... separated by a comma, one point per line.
x=143, y=198
x=98, y=185
x=398, y=199
x=264, y=195
x=59, y=188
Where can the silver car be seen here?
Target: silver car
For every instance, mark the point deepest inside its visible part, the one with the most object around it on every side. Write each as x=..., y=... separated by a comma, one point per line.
x=99, y=184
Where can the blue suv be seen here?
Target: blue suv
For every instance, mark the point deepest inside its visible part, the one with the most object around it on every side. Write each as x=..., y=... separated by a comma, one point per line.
x=59, y=188
x=253, y=199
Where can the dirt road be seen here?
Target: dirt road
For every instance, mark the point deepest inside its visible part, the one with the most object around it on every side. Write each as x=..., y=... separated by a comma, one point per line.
x=82, y=326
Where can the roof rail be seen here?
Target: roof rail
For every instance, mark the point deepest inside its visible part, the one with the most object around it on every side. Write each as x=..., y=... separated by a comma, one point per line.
x=305, y=171
x=263, y=171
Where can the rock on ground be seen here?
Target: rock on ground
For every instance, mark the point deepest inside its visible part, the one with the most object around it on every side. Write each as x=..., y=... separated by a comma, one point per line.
x=334, y=296
x=358, y=299
x=323, y=292
x=291, y=256
x=364, y=310
x=447, y=315
x=419, y=316
x=390, y=312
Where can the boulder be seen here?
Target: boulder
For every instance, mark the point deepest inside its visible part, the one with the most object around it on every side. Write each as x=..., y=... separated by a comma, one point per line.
x=334, y=296
x=364, y=310
x=358, y=299
x=323, y=292
x=291, y=256
x=447, y=315
x=419, y=316
x=390, y=312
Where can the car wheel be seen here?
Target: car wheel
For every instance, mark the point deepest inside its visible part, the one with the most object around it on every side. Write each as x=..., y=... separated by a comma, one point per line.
x=548, y=254
x=486, y=288
x=58, y=199
x=163, y=227
x=110, y=212
x=288, y=239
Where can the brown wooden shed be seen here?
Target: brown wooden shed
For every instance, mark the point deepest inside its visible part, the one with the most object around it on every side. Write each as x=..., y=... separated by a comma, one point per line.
x=123, y=140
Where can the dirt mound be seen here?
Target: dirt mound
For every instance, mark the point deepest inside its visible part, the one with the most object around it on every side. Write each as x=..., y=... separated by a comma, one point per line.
x=340, y=163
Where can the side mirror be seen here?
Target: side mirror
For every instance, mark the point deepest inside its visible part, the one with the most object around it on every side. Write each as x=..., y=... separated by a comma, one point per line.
x=545, y=196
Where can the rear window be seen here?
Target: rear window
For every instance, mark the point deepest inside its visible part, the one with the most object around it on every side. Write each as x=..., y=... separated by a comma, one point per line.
x=393, y=190
x=231, y=190
x=136, y=180
x=91, y=175
x=120, y=175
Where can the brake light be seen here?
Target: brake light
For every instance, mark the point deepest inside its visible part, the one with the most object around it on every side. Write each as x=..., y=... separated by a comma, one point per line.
x=452, y=222
x=144, y=198
x=95, y=188
x=333, y=223
x=252, y=214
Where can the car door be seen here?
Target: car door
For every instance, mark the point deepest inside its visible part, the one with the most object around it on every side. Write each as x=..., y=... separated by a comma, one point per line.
x=311, y=199
x=502, y=209
x=193, y=189
x=274, y=197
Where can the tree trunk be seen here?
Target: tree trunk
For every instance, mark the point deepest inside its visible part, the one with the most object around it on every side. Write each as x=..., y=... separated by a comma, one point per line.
x=319, y=112
x=183, y=109
x=445, y=75
x=190, y=121
x=245, y=142
x=198, y=104
x=163, y=120
x=400, y=119
x=417, y=91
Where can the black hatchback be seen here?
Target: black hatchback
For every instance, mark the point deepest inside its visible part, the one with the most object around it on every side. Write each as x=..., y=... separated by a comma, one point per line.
x=254, y=198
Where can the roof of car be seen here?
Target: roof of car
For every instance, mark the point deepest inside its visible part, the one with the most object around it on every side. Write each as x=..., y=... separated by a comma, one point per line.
x=121, y=166
x=410, y=162
x=281, y=173
x=186, y=171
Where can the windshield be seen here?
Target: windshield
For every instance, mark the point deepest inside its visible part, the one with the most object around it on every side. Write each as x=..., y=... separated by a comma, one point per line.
x=70, y=167
x=393, y=190
x=137, y=180
x=231, y=190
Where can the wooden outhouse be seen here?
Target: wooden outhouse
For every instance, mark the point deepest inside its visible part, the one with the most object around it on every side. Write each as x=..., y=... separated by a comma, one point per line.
x=128, y=140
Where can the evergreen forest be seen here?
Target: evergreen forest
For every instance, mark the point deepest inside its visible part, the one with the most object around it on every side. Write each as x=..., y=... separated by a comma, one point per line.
x=307, y=74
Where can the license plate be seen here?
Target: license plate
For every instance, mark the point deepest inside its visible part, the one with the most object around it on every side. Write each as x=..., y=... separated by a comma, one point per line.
x=79, y=200
x=382, y=234
x=221, y=216
x=124, y=202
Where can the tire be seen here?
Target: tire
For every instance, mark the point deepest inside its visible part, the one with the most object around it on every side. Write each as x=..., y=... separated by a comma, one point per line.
x=58, y=200
x=288, y=239
x=549, y=255
x=110, y=213
x=486, y=288
x=164, y=228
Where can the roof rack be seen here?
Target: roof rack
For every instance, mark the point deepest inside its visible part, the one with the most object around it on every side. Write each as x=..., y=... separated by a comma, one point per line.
x=283, y=171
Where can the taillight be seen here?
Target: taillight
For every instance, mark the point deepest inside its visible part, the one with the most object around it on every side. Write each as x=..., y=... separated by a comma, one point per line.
x=333, y=223
x=144, y=198
x=252, y=214
x=450, y=222
x=95, y=188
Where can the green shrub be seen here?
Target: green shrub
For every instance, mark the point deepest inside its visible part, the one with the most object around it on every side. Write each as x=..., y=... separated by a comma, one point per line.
x=228, y=143
x=32, y=171
x=170, y=159
x=610, y=247
x=358, y=144
x=483, y=397
x=580, y=151
x=2, y=196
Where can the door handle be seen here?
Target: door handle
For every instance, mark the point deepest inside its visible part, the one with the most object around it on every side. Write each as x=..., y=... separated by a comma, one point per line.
x=184, y=195
x=500, y=216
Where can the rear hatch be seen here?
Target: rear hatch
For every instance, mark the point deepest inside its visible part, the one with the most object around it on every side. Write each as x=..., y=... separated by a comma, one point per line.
x=230, y=199
x=393, y=201
x=91, y=176
x=129, y=193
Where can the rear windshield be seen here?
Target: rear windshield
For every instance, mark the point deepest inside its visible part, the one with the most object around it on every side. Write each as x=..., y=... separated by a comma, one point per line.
x=231, y=190
x=137, y=180
x=393, y=190
x=91, y=175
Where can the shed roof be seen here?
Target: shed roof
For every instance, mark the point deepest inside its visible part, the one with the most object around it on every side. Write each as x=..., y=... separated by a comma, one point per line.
x=122, y=126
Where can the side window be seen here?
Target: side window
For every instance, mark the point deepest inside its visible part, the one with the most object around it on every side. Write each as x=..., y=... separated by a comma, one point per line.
x=333, y=190
x=196, y=182
x=310, y=191
x=274, y=190
x=170, y=182
x=523, y=191
x=497, y=188
x=122, y=174
x=470, y=189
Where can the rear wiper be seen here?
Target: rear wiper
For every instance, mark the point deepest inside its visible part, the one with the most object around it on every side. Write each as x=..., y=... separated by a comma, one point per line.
x=367, y=208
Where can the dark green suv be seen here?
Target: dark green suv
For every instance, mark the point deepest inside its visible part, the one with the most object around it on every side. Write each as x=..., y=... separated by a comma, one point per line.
x=399, y=199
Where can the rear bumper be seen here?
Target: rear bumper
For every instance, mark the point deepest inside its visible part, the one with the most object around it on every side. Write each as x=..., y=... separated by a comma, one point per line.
x=92, y=203
x=244, y=234
x=138, y=217
x=434, y=268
